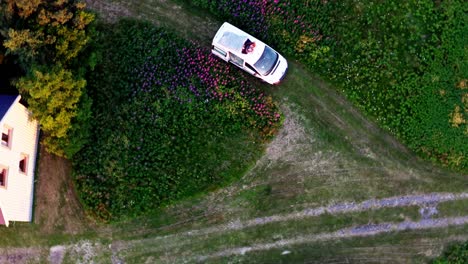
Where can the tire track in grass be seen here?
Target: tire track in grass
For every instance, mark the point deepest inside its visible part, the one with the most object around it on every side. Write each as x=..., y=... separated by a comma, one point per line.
x=358, y=231
x=161, y=13
x=109, y=11
x=422, y=200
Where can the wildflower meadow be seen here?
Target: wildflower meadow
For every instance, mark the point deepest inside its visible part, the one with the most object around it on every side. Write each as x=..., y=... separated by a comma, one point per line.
x=168, y=116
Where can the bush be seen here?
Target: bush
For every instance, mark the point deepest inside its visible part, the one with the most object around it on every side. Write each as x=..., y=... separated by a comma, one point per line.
x=455, y=254
x=53, y=96
x=170, y=120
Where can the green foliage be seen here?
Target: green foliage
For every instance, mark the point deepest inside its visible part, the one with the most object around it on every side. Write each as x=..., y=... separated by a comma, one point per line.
x=48, y=39
x=168, y=122
x=53, y=99
x=79, y=132
x=401, y=63
x=455, y=254
x=45, y=32
x=438, y=127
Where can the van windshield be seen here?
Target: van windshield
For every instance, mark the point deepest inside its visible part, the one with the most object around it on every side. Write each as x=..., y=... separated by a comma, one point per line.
x=267, y=61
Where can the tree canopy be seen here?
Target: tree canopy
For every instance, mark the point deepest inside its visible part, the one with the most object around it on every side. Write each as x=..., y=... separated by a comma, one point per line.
x=45, y=32
x=48, y=40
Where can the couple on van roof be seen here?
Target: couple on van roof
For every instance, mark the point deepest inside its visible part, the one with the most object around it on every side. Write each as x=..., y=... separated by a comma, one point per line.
x=248, y=46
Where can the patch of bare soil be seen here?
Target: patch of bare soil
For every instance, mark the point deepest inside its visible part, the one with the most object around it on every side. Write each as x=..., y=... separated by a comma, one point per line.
x=295, y=145
x=292, y=140
x=20, y=255
x=110, y=12
x=57, y=207
x=56, y=254
x=159, y=12
x=82, y=252
x=358, y=231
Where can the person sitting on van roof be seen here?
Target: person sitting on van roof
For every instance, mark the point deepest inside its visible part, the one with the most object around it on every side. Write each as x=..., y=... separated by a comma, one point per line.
x=248, y=46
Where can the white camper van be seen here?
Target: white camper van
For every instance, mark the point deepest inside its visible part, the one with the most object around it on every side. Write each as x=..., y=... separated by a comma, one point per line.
x=248, y=53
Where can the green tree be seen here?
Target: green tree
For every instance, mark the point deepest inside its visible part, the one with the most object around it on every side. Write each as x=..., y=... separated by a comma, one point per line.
x=48, y=38
x=53, y=97
x=45, y=32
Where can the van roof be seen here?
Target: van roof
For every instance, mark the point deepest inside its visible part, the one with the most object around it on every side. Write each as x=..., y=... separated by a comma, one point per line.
x=233, y=39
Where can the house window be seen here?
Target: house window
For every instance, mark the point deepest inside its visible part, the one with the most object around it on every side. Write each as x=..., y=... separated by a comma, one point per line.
x=23, y=163
x=3, y=176
x=6, y=136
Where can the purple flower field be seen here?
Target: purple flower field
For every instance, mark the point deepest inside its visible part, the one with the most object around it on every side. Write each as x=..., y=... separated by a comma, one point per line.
x=196, y=75
x=284, y=24
x=186, y=121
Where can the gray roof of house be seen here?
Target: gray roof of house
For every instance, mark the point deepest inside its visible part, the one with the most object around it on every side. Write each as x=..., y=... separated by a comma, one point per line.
x=5, y=103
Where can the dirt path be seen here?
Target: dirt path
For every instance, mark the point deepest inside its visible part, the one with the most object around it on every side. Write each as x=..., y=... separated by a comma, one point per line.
x=358, y=231
x=20, y=255
x=86, y=251
x=162, y=13
x=427, y=202
x=57, y=207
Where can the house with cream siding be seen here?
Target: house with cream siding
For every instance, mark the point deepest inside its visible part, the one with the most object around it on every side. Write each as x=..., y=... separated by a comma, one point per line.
x=18, y=149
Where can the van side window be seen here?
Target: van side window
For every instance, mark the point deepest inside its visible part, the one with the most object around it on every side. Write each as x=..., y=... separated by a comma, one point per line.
x=236, y=60
x=220, y=51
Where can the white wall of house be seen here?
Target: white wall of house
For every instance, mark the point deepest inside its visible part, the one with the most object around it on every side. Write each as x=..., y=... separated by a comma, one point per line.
x=17, y=196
